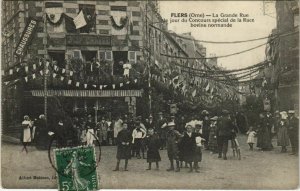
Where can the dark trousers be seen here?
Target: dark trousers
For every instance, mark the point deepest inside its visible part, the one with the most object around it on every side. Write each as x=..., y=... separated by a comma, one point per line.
x=223, y=144
x=110, y=137
x=294, y=139
x=137, y=146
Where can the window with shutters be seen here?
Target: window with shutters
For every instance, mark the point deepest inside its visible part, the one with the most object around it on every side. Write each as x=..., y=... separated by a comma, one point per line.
x=108, y=55
x=77, y=54
x=132, y=56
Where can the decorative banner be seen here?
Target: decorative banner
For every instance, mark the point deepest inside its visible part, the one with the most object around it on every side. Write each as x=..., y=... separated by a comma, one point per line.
x=71, y=73
x=121, y=84
x=11, y=71
x=26, y=69
x=85, y=86
x=77, y=84
x=94, y=86
x=41, y=72
x=63, y=70
x=17, y=69
x=105, y=86
x=54, y=12
x=69, y=82
x=119, y=21
x=62, y=78
x=54, y=75
x=100, y=87
x=33, y=76
x=26, y=37
x=113, y=86
x=26, y=79
x=34, y=66
x=79, y=20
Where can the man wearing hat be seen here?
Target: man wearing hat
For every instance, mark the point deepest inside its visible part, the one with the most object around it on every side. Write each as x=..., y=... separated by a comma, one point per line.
x=293, y=131
x=225, y=129
x=173, y=138
x=206, y=124
x=150, y=123
x=161, y=130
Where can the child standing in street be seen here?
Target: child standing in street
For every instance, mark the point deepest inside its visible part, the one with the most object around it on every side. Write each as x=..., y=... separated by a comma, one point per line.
x=251, y=134
x=138, y=135
x=153, y=144
x=173, y=138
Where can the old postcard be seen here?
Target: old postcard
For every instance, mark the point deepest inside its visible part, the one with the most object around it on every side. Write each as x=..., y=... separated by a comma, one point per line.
x=149, y=94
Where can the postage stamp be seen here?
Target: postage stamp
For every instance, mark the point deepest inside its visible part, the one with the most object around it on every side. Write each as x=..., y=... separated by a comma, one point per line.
x=76, y=168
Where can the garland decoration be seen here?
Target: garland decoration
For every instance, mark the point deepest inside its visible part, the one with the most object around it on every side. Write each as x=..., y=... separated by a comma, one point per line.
x=123, y=22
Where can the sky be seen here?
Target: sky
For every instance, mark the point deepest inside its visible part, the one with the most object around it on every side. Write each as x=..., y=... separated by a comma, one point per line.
x=262, y=27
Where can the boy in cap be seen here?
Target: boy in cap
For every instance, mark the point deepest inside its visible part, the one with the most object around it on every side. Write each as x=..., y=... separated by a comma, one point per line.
x=173, y=138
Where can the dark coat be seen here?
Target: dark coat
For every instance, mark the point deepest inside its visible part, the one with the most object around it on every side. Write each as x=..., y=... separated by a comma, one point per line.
x=173, y=138
x=153, y=144
x=293, y=126
x=263, y=135
x=42, y=137
x=225, y=128
x=124, y=151
x=188, y=146
x=150, y=125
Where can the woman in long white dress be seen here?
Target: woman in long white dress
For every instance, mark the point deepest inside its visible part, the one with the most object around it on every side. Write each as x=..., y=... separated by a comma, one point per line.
x=26, y=133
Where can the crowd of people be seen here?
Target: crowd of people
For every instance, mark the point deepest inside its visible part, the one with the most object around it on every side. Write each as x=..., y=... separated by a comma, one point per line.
x=183, y=137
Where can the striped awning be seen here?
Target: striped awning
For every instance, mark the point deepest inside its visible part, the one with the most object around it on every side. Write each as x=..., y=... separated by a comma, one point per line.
x=88, y=93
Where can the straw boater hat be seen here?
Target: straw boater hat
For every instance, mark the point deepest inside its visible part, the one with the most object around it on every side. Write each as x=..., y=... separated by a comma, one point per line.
x=171, y=124
x=215, y=118
x=291, y=111
x=283, y=115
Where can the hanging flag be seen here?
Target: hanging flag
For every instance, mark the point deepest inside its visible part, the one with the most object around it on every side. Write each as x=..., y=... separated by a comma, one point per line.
x=105, y=86
x=11, y=71
x=26, y=69
x=41, y=72
x=71, y=73
x=79, y=20
x=127, y=82
x=62, y=78
x=54, y=75
x=100, y=87
x=34, y=66
x=194, y=93
x=6, y=83
x=113, y=86
x=55, y=67
x=135, y=80
x=40, y=62
x=85, y=86
x=26, y=79
x=207, y=88
x=16, y=80
x=47, y=63
x=94, y=86
x=33, y=76
x=121, y=84
x=77, y=84
x=63, y=70
x=69, y=82
x=54, y=11
x=47, y=71
x=17, y=69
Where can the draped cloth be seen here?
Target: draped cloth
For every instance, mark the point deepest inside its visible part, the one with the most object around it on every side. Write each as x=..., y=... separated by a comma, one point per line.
x=117, y=17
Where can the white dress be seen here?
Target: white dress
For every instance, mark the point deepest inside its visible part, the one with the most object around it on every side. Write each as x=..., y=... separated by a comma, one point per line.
x=251, y=137
x=26, y=131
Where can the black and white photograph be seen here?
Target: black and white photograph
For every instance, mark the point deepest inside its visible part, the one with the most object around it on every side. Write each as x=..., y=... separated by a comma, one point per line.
x=149, y=94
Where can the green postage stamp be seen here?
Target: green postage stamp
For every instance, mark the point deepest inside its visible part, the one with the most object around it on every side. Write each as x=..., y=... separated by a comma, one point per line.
x=76, y=168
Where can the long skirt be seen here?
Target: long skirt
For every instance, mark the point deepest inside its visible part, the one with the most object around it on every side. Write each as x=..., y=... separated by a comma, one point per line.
x=26, y=135
x=153, y=155
x=283, y=137
x=90, y=137
x=123, y=152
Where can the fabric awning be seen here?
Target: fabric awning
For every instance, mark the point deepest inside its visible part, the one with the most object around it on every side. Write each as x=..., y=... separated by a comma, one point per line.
x=88, y=93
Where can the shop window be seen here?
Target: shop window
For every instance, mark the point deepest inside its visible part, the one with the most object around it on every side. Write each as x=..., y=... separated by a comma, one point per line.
x=90, y=16
x=77, y=54
x=89, y=56
x=118, y=8
x=135, y=23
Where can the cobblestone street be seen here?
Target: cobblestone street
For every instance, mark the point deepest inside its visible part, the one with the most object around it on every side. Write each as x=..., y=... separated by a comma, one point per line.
x=256, y=170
